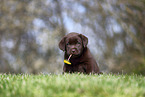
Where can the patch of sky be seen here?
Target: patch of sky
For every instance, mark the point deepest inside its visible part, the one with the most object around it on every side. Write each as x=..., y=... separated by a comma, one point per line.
x=38, y=23
x=71, y=25
x=81, y=9
x=119, y=47
x=7, y=43
x=113, y=27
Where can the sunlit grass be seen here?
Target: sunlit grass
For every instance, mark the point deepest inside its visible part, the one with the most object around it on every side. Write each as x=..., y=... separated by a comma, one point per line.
x=72, y=85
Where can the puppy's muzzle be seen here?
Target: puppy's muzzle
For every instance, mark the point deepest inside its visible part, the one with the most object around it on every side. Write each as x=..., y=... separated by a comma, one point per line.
x=73, y=51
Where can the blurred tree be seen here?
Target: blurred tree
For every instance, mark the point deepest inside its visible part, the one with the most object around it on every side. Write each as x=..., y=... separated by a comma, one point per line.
x=24, y=28
x=14, y=23
x=119, y=25
x=31, y=29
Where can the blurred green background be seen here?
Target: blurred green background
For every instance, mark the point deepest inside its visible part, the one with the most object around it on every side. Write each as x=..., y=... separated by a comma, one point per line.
x=30, y=31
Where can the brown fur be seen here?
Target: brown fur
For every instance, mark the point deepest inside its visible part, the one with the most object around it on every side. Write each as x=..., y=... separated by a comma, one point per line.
x=81, y=61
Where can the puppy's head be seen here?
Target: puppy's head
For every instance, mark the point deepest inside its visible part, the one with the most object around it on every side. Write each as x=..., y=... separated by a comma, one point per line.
x=73, y=43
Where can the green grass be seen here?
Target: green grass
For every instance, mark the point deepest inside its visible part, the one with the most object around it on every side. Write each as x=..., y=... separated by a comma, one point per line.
x=72, y=85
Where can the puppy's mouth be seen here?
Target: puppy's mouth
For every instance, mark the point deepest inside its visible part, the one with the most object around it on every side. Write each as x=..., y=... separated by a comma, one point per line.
x=74, y=52
x=74, y=55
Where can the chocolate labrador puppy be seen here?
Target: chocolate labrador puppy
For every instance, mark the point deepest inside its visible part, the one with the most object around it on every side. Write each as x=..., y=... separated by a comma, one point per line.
x=77, y=52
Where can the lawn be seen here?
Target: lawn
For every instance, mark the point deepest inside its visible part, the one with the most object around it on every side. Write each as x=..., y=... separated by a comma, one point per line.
x=72, y=85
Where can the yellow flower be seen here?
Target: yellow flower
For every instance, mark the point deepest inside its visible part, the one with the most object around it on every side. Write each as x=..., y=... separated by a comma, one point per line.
x=67, y=62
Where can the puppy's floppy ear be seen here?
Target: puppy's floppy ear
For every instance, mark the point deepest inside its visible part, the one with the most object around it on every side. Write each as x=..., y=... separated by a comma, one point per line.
x=84, y=40
x=62, y=44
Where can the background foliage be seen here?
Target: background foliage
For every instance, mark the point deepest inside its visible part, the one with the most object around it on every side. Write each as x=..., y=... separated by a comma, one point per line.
x=30, y=31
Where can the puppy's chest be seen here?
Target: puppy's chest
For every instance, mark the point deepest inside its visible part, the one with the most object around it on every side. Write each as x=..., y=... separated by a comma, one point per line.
x=76, y=68
x=76, y=62
x=77, y=65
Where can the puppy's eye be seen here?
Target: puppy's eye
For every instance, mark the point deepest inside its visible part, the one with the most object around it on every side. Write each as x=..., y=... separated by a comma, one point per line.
x=78, y=43
x=67, y=44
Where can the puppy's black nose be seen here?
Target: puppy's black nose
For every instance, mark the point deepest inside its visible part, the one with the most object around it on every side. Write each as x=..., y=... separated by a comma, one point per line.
x=73, y=50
